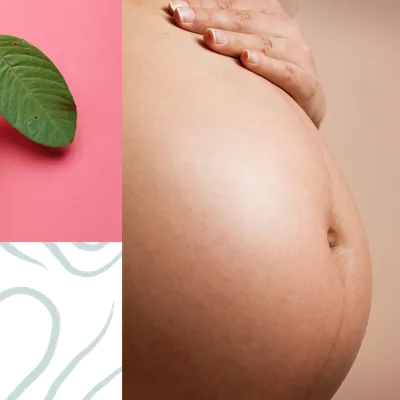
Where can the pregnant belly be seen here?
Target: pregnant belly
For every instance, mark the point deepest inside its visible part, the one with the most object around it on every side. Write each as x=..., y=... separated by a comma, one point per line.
x=246, y=270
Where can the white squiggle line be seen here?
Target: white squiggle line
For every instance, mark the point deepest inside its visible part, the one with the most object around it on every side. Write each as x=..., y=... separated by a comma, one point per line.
x=59, y=255
x=51, y=348
x=9, y=248
x=77, y=359
x=89, y=247
x=103, y=383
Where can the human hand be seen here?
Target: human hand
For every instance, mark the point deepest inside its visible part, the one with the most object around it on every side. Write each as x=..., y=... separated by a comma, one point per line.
x=265, y=39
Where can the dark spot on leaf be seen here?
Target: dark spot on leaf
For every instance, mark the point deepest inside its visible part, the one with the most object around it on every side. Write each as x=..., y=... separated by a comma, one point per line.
x=15, y=44
x=26, y=112
x=36, y=117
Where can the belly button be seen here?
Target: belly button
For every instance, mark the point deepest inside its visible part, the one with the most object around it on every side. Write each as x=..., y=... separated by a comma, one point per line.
x=333, y=238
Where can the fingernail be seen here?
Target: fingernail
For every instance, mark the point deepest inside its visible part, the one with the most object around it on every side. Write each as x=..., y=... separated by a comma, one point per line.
x=218, y=36
x=252, y=56
x=173, y=5
x=186, y=14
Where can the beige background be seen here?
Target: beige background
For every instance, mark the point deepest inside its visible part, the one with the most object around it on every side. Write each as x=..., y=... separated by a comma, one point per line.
x=356, y=45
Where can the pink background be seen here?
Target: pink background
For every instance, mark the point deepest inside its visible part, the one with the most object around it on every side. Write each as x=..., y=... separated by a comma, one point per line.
x=71, y=195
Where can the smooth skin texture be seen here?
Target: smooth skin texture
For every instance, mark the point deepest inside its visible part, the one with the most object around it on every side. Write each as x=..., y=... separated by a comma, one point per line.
x=266, y=40
x=246, y=267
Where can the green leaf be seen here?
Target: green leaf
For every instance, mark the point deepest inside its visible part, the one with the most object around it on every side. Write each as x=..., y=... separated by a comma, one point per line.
x=34, y=96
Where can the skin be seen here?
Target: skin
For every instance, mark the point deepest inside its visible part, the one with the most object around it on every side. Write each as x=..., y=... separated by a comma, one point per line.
x=246, y=267
x=264, y=37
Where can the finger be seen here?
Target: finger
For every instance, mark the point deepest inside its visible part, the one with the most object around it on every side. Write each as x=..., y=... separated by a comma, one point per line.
x=173, y=5
x=289, y=77
x=199, y=19
x=254, y=5
x=233, y=44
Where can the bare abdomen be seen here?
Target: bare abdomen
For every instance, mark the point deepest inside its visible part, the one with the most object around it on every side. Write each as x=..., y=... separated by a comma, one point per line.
x=231, y=287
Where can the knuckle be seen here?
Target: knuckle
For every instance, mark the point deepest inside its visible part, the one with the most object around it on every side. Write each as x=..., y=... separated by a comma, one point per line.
x=242, y=19
x=289, y=74
x=225, y=4
x=306, y=60
x=307, y=51
x=267, y=45
x=307, y=87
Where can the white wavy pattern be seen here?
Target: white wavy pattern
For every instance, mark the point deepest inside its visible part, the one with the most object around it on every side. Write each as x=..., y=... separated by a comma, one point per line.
x=53, y=339
x=13, y=251
x=65, y=263
x=56, y=321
